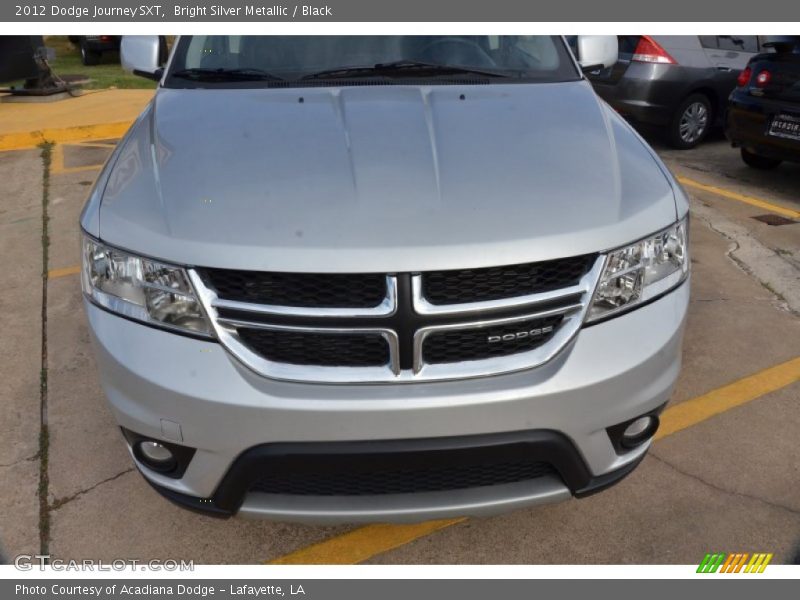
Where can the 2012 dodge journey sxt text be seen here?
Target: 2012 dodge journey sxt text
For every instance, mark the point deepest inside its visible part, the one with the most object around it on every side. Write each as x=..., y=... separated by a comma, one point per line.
x=383, y=278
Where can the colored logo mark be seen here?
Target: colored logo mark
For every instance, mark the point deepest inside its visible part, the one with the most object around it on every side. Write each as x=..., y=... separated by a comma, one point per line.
x=738, y=562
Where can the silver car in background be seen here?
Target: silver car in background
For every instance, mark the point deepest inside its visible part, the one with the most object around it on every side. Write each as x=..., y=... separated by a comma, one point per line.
x=383, y=278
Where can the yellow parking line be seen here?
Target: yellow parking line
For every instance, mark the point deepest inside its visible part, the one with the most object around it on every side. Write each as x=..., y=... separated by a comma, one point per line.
x=360, y=544
x=31, y=139
x=57, y=163
x=751, y=200
x=696, y=410
x=363, y=543
x=56, y=273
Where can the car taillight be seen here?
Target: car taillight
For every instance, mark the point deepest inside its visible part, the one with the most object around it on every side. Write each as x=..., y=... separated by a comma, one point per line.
x=744, y=77
x=649, y=51
x=763, y=78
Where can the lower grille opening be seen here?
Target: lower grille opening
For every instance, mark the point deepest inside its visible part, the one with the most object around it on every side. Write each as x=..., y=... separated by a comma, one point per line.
x=317, y=349
x=488, y=342
x=403, y=466
x=380, y=481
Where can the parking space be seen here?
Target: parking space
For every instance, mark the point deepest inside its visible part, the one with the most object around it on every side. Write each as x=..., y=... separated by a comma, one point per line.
x=722, y=476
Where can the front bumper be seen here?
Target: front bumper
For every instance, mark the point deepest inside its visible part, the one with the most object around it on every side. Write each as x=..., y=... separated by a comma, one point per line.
x=611, y=372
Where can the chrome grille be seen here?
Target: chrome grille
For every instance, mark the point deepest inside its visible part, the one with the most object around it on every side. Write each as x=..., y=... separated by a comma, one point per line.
x=449, y=346
x=495, y=283
x=311, y=290
x=314, y=348
x=401, y=336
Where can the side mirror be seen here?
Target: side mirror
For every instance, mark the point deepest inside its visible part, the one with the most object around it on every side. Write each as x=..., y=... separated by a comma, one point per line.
x=139, y=54
x=597, y=51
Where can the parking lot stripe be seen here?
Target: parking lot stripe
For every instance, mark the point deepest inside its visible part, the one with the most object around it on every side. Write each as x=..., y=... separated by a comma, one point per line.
x=689, y=413
x=56, y=273
x=31, y=139
x=58, y=167
x=363, y=543
x=751, y=200
x=360, y=544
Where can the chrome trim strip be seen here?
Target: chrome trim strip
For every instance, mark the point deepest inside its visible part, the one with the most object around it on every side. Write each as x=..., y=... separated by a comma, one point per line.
x=231, y=325
x=423, y=307
x=424, y=332
x=229, y=338
x=385, y=309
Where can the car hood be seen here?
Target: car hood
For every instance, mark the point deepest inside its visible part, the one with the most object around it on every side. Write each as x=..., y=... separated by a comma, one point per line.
x=381, y=178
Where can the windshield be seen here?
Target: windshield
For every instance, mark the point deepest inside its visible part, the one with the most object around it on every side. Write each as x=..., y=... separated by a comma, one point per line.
x=237, y=61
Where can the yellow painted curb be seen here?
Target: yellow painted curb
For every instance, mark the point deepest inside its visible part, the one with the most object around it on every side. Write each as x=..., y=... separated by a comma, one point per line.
x=31, y=139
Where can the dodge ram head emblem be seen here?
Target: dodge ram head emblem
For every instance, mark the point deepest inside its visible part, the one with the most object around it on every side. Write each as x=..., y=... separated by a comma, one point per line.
x=520, y=335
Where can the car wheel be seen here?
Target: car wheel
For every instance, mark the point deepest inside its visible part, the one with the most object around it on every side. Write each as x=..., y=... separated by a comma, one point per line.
x=89, y=57
x=759, y=162
x=691, y=122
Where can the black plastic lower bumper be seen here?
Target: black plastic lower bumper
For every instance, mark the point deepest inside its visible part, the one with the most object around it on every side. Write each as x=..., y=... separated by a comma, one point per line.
x=321, y=460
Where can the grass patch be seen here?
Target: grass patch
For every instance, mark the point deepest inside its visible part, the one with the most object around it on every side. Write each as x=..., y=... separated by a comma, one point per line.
x=108, y=74
x=44, y=436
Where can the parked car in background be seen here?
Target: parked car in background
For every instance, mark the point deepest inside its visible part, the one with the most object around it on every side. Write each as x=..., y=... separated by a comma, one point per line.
x=92, y=47
x=763, y=117
x=678, y=82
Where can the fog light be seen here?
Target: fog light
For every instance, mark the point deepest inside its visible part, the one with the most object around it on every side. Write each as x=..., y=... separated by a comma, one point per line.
x=639, y=431
x=156, y=456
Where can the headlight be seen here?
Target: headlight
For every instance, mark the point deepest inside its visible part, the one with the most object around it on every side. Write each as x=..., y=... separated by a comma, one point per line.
x=141, y=289
x=642, y=271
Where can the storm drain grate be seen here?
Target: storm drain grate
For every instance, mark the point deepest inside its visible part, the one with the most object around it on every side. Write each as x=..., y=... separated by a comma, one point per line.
x=774, y=220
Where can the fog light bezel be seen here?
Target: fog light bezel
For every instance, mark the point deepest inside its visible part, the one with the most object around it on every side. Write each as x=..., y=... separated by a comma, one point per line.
x=175, y=469
x=156, y=464
x=616, y=433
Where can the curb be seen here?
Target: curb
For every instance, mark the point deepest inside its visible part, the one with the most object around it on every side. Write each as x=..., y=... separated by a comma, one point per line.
x=24, y=140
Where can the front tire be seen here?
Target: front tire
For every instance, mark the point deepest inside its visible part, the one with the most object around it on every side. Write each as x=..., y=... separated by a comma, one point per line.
x=759, y=162
x=690, y=123
x=89, y=57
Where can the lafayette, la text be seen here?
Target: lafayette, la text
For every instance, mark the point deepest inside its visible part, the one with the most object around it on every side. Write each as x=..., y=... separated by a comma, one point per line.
x=148, y=589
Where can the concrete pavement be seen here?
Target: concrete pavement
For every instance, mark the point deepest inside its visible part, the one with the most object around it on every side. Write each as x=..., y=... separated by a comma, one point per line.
x=726, y=483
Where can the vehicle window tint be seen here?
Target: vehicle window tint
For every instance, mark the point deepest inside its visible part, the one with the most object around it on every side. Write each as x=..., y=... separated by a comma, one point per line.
x=627, y=43
x=537, y=57
x=709, y=41
x=738, y=43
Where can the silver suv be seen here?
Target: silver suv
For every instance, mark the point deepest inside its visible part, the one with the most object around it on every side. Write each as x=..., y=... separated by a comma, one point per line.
x=383, y=278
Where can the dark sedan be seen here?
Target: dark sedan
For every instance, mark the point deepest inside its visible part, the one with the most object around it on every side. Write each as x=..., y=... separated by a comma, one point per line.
x=763, y=117
x=92, y=47
x=679, y=83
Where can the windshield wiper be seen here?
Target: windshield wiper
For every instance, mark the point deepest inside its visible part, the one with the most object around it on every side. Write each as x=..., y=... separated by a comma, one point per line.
x=222, y=74
x=403, y=66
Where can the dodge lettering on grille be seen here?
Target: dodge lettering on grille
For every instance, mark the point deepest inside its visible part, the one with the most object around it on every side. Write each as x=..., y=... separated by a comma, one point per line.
x=520, y=335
